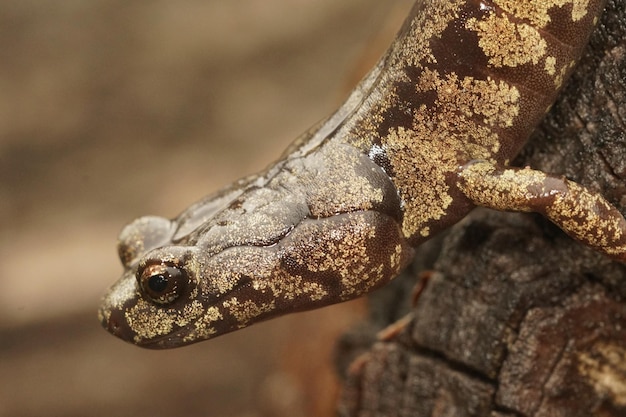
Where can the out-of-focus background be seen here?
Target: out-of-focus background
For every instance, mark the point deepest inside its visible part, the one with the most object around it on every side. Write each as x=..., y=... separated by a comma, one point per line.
x=110, y=110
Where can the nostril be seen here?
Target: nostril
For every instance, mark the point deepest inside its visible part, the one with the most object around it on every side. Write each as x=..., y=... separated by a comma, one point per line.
x=115, y=323
x=113, y=326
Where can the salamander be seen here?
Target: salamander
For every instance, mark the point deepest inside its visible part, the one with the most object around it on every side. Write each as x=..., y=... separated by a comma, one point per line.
x=425, y=137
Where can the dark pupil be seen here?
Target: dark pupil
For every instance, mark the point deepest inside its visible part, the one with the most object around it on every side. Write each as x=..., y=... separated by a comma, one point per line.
x=158, y=283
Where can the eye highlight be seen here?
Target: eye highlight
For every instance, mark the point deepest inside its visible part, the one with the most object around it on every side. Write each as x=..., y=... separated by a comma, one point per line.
x=163, y=283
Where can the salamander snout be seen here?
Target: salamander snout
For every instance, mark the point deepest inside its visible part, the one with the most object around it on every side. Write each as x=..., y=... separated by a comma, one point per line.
x=115, y=323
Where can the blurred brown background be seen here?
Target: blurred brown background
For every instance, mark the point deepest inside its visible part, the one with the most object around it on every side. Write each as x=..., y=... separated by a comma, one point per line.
x=113, y=109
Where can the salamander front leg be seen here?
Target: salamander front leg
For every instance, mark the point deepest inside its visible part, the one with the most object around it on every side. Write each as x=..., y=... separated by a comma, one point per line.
x=581, y=213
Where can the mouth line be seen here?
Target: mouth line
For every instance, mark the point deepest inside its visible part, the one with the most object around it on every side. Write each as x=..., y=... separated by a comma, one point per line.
x=166, y=341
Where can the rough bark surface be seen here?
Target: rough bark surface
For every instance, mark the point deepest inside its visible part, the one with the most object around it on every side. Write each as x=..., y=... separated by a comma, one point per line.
x=513, y=317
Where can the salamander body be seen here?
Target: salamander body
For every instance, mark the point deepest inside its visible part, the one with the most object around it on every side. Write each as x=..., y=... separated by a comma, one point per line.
x=426, y=136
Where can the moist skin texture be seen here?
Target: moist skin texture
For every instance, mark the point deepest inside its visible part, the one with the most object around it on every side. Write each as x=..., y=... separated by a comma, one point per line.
x=423, y=139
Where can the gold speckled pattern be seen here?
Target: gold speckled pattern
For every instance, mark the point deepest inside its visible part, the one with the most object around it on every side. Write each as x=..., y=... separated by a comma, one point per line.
x=422, y=140
x=584, y=215
x=538, y=11
x=507, y=43
x=439, y=138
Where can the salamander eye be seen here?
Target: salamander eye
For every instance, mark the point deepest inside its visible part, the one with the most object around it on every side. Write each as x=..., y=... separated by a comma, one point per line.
x=163, y=283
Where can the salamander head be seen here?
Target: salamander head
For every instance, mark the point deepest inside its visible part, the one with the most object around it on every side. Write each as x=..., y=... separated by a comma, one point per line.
x=172, y=295
x=175, y=292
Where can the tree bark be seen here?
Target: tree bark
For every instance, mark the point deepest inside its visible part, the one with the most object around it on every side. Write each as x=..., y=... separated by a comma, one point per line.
x=513, y=317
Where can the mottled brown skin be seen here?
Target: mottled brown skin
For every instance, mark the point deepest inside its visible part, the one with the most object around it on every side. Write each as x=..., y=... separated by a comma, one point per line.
x=424, y=138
